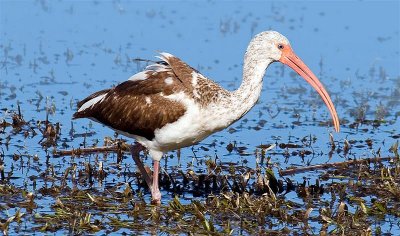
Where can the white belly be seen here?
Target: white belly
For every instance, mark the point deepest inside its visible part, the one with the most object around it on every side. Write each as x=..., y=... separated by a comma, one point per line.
x=195, y=125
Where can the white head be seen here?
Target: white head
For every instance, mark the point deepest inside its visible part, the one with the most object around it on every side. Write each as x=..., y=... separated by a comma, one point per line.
x=270, y=46
x=267, y=46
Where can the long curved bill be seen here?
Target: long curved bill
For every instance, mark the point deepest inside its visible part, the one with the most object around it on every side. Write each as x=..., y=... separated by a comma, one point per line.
x=289, y=58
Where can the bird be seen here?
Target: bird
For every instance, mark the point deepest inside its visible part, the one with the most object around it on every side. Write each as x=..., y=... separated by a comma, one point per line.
x=170, y=105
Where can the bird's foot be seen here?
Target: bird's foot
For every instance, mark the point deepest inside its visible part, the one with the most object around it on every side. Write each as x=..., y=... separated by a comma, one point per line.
x=155, y=197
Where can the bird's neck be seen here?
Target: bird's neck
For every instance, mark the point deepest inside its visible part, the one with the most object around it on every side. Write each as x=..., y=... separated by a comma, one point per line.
x=246, y=96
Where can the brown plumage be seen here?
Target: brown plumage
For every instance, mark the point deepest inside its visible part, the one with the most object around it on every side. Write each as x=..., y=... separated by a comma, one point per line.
x=137, y=107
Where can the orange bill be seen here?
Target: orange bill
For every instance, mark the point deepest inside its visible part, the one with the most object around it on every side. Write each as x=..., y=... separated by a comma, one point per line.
x=289, y=58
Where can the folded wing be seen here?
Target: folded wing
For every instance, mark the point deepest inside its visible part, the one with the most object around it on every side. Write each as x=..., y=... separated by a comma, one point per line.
x=142, y=104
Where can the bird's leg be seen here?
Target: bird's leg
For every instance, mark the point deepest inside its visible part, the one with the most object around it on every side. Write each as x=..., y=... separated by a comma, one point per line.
x=135, y=150
x=155, y=191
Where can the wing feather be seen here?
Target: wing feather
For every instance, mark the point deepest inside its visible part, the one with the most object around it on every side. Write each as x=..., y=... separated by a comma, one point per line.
x=140, y=106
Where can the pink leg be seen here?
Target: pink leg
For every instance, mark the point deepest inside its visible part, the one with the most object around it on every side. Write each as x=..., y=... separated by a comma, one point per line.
x=135, y=150
x=155, y=191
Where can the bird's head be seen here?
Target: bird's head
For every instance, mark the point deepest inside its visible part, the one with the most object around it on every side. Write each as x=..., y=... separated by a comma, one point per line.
x=271, y=46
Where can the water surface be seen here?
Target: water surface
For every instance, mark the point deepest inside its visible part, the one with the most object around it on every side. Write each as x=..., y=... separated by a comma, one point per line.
x=53, y=54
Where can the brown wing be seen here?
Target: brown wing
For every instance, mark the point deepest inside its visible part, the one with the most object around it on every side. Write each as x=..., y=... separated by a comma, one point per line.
x=96, y=94
x=138, y=106
x=181, y=70
x=204, y=91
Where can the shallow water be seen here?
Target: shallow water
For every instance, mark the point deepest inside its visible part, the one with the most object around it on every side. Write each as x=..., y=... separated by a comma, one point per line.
x=54, y=54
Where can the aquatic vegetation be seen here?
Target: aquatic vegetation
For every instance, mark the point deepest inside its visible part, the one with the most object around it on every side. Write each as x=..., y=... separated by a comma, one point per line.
x=277, y=171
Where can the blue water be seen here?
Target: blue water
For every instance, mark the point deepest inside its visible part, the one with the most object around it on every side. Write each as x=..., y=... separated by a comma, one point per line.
x=63, y=51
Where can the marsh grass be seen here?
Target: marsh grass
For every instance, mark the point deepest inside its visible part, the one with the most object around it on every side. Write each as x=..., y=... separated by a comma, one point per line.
x=233, y=200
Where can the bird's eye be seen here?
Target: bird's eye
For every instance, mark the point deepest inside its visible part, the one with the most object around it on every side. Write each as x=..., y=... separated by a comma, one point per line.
x=280, y=46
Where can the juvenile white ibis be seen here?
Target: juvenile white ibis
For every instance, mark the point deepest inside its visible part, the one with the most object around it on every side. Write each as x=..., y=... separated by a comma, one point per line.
x=170, y=105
